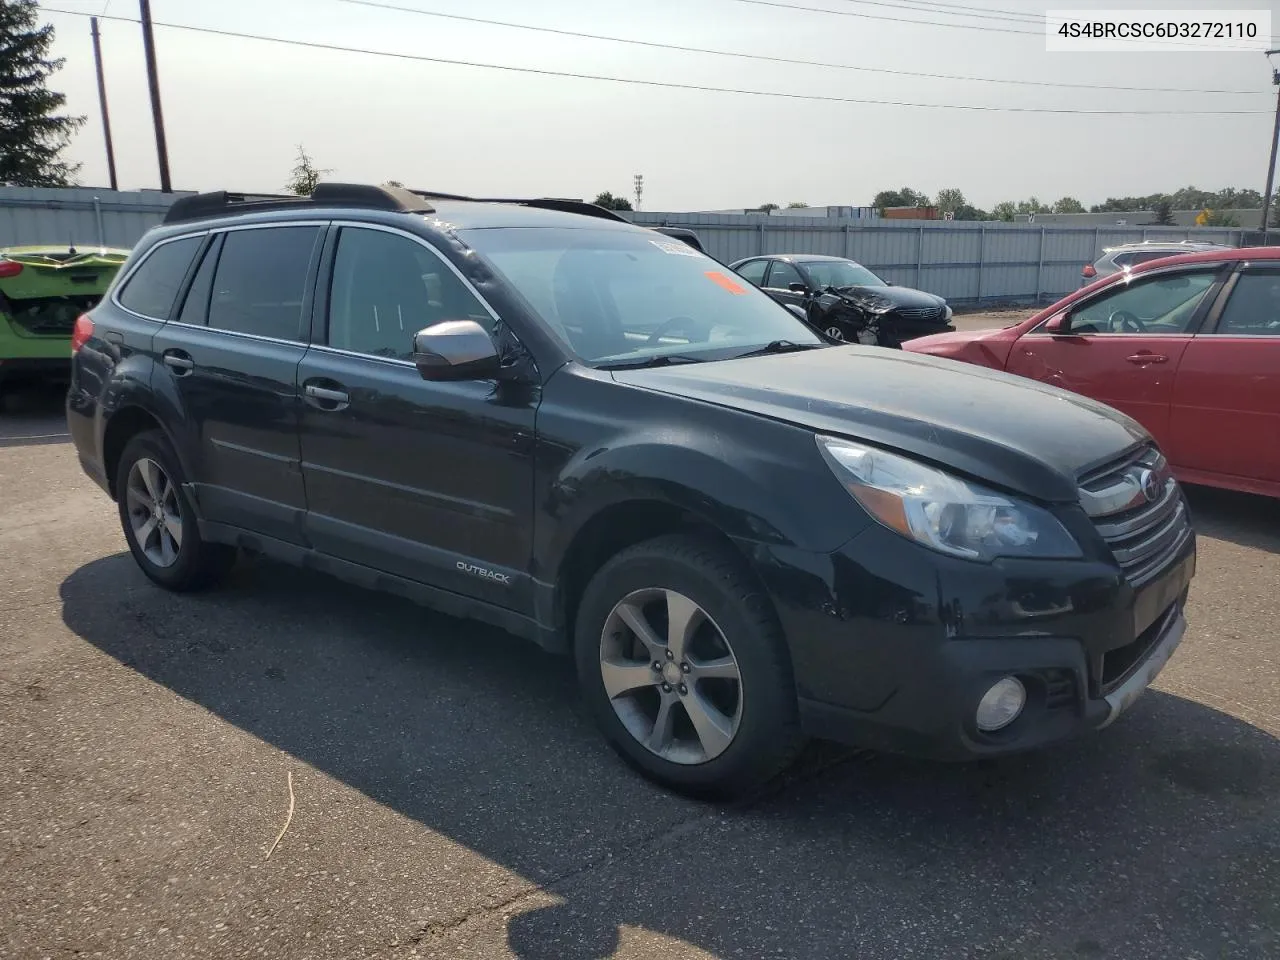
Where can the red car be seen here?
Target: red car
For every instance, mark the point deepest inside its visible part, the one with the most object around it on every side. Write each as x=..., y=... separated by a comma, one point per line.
x=1189, y=346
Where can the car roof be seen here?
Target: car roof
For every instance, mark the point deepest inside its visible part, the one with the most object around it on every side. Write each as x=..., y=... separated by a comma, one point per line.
x=797, y=258
x=1208, y=256
x=1167, y=245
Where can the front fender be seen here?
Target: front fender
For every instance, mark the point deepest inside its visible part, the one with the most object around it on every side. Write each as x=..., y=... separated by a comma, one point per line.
x=776, y=491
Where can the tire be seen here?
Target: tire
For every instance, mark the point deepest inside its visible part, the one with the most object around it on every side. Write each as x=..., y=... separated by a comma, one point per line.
x=757, y=710
x=182, y=563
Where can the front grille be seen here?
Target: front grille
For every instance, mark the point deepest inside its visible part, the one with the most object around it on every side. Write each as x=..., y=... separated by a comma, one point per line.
x=1138, y=508
x=919, y=313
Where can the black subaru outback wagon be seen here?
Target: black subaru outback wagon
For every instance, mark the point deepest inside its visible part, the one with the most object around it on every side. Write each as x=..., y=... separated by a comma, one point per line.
x=538, y=415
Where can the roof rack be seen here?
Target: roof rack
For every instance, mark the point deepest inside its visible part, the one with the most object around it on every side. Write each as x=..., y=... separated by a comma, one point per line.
x=221, y=203
x=562, y=204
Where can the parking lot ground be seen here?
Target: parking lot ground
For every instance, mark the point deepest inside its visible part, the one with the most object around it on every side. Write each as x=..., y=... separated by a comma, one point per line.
x=451, y=800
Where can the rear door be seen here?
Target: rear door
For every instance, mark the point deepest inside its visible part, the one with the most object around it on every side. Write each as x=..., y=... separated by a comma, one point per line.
x=1122, y=346
x=230, y=359
x=1226, y=399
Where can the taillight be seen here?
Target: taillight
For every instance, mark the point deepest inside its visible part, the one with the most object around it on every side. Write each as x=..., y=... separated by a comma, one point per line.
x=9, y=268
x=1088, y=271
x=81, y=332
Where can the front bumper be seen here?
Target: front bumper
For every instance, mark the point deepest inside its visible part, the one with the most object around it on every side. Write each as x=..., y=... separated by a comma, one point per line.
x=893, y=645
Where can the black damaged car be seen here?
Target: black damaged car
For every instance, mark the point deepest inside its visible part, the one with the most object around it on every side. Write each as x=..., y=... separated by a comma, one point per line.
x=535, y=414
x=845, y=300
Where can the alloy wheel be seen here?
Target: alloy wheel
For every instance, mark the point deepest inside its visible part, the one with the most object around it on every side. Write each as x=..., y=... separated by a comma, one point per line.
x=671, y=676
x=155, y=515
x=835, y=333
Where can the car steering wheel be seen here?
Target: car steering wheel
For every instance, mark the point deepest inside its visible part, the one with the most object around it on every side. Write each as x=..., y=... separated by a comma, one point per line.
x=668, y=325
x=1126, y=322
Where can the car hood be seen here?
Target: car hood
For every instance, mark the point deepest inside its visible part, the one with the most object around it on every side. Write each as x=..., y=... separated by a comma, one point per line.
x=1006, y=431
x=898, y=296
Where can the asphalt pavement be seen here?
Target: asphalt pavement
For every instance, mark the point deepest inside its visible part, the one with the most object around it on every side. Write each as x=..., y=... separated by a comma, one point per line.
x=450, y=799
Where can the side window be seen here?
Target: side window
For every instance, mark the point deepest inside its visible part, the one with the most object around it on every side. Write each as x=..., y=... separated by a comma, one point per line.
x=195, y=309
x=1254, y=307
x=154, y=285
x=1159, y=305
x=260, y=281
x=386, y=288
x=754, y=271
x=783, y=275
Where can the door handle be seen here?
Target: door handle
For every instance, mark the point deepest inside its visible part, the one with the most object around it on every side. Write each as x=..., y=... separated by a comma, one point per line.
x=1144, y=358
x=179, y=362
x=324, y=398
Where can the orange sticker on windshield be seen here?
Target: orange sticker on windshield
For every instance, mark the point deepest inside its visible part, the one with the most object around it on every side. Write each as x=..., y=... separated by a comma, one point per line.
x=731, y=285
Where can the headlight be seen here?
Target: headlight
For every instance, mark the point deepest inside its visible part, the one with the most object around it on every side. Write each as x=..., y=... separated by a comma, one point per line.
x=942, y=511
x=947, y=313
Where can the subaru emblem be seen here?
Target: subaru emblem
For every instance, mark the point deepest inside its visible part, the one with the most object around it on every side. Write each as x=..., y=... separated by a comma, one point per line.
x=1149, y=483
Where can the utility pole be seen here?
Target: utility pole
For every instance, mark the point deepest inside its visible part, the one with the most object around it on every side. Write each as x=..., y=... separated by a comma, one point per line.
x=102, y=102
x=153, y=81
x=1275, y=142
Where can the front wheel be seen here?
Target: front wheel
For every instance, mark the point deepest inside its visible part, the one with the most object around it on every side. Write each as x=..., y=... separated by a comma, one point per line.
x=684, y=667
x=158, y=520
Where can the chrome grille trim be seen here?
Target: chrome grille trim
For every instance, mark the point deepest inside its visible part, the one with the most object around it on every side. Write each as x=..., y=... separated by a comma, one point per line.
x=1143, y=534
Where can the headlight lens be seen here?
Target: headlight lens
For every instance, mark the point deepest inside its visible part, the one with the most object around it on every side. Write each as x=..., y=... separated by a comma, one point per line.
x=942, y=511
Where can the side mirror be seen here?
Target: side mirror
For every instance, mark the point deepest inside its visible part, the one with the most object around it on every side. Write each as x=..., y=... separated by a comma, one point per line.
x=798, y=311
x=797, y=287
x=455, y=350
x=1057, y=325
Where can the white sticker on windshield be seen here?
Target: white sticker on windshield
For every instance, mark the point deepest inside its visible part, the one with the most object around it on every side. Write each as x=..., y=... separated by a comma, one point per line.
x=676, y=249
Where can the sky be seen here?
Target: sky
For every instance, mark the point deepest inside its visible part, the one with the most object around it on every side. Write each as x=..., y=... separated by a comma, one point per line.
x=236, y=110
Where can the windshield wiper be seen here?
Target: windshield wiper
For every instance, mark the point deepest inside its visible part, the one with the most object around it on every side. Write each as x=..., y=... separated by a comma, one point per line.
x=661, y=360
x=778, y=346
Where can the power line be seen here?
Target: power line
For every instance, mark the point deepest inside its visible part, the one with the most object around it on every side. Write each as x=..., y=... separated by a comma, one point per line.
x=669, y=85
x=381, y=5
x=949, y=10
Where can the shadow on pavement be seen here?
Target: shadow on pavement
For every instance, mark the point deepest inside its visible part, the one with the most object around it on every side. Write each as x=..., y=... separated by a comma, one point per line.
x=1242, y=518
x=1160, y=837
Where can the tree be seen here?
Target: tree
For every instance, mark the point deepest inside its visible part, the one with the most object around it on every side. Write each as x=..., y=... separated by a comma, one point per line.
x=33, y=131
x=906, y=197
x=610, y=202
x=393, y=183
x=1212, y=218
x=950, y=200
x=305, y=175
x=766, y=207
x=797, y=206
x=967, y=212
x=1068, y=205
x=1005, y=210
x=1032, y=205
x=1162, y=212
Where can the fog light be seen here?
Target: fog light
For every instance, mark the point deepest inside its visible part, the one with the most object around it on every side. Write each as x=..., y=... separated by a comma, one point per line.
x=1001, y=705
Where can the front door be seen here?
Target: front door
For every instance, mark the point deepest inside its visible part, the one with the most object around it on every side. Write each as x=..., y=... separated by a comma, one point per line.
x=230, y=363
x=1122, y=346
x=1226, y=399
x=426, y=480
x=778, y=282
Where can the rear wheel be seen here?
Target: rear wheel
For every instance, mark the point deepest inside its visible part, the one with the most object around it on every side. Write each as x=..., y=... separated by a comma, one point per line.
x=158, y=520
x=684, y=667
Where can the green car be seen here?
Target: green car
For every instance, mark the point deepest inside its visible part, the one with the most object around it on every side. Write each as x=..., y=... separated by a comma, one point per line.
x=42, y=291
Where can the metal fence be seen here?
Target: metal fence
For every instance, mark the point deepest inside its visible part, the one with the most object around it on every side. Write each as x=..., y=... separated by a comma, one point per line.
x=964, y=262
x=80, y=216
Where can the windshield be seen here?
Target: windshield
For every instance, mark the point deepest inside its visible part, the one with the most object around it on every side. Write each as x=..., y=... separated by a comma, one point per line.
x=841, y=273
x=623, y=296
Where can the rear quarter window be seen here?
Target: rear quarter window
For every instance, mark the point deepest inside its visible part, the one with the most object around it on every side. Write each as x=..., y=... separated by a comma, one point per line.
x=151, y=289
